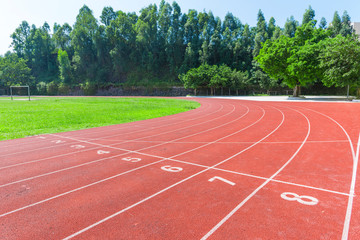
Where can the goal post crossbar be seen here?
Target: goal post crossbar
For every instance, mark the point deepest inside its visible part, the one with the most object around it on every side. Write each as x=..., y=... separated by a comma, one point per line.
x=25, y=86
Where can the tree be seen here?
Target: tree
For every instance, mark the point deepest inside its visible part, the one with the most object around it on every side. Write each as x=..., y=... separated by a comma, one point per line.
x=164, y=24
x=308, y=16
x=14, y=71
x=290, y=27
x=294, y=60
x=340, y=61
x=261, y=33
x=121, y=37
x=238, y=80
x=346, y=28
x=209, y=76
x=271, y=27
x=64, y=67
x=197, y=77
x=20, y=39
x=107, y=15
x=323, y=23
x=261, y=79
x=220, y=78
x=175, y=36
x=62, y=37
x=335, y=26
x=82, y=40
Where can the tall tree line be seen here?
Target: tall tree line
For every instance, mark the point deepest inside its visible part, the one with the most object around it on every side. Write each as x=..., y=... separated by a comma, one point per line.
x=156, y=45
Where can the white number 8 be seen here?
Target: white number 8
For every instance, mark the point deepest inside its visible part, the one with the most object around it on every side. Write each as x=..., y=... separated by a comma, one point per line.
x=307, y=200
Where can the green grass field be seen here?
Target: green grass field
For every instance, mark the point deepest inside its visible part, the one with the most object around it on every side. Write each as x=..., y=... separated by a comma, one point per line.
x=58, y=114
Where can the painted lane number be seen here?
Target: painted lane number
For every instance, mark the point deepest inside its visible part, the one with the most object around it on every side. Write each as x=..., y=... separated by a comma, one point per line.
x=169, y=168
x=77, y=146
x=130, y=159
x=102, y=152
x=307, y=200
x=221, y=179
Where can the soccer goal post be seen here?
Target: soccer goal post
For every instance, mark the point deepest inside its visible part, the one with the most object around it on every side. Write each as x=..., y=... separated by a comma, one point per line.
x=19, y=91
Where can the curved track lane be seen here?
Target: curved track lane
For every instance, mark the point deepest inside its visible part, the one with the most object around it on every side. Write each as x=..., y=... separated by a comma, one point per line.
x=228, y=170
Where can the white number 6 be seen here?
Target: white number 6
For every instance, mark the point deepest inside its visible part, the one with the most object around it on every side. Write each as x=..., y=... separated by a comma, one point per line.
x=171, y=169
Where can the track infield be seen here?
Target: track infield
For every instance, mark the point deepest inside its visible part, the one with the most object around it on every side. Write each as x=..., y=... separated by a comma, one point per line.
x=231, y=169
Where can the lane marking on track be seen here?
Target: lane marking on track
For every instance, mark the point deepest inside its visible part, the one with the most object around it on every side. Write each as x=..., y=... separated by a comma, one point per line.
x=105, y=130
x=77, y=189
x=355, y=156
x=126, y=151
x=306, y=200
x=160, y=119
x=223, y=180
x=36, y=149
x=162, y=159
x=144, y=126
x=174, y=185
x=352, y=192
x=217, y=226
x=289, y=142
x=146, y=129
x=260, y=177
x=76, y=140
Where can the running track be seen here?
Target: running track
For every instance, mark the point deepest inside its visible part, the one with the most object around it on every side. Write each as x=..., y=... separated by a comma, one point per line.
x=230, y=169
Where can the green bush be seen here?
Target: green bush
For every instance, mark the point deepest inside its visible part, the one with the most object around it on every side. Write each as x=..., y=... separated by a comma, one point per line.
x=41, y=88
x=64, y=89
x=52, y=88
x=89, y=88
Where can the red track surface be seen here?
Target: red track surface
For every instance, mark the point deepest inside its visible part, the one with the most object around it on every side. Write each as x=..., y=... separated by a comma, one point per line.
x=230, y=169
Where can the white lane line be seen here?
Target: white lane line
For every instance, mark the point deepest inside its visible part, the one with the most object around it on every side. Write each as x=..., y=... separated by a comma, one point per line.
x=116, y=148
x=144, y=128
x=347, y=220
x=163, y=159
x=259, y=177
x=76, y=140
x=204, y=107
x=102, y=130
x=217, y=226
x=80, y=188
x=352, y=192
x=275, y=142
x=174, y=185
x=136, y=131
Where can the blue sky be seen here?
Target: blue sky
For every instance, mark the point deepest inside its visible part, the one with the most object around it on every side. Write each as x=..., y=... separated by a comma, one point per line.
x=13, y=12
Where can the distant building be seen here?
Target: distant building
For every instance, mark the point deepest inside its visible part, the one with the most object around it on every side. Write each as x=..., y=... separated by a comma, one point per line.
x=356, y=27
